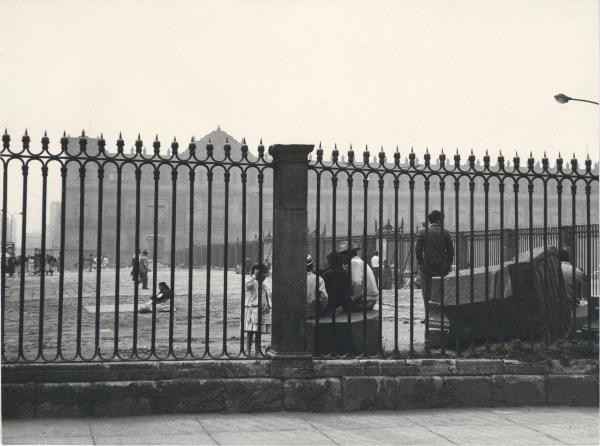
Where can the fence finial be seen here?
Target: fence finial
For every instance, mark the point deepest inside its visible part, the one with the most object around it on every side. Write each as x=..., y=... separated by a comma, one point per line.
x=174, y=146
x=45, y=141
x=25, y=131
x=83, y=133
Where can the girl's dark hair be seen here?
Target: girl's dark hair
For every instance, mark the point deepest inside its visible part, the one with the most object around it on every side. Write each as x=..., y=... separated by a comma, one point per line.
x=260, y=266
x=163, y=284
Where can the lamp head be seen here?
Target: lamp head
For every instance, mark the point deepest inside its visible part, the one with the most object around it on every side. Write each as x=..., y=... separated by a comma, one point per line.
x=561, y=98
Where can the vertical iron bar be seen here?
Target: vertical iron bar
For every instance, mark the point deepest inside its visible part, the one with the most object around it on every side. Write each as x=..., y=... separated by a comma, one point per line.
x=209, y=178
x=117, y=258
x=380, y=271
x=411, y=186
x=174, y=173
x=61, y=266
x=426, y=302
x=442, y=297
x=192, y=177
x=98, y=260
x=243, y=287
x=318, y=257
x=155, y=258
x=334, y=182
x=42, y=262
x=486, y=189
x=364, y=284
x=471, y=245
x=457, y=263
x=396, y=185
x=260, y=257
x=226, y=176
x=501, y=192
x=138, y=178
x=588, y=239
x=81, y=258
x=573, y=257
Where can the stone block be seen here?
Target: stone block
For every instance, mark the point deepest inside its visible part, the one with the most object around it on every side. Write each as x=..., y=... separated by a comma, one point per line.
x=513, y=367
x=414, y=392
x=34, y=373
x=344, y=337
x=479, y=367
x=300, y=366
x=313, y=395
x=573, y=367
x=204, y=369
x=189, y=396
x=67, y=399
x=382, y=367
x=364, y=393
x=572, y=390
x=18, y=400
x=430, y=367
x=467, y=391
x=253, y=395
x=123, y=398
x=336, y=367
x=131, y=371
x=518, y=390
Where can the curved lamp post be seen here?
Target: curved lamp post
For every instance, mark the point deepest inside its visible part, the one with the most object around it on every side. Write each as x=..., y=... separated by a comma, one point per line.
x=563, y=99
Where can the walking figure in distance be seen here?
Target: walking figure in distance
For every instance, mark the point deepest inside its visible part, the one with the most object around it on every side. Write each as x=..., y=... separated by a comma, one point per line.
x=255, y=284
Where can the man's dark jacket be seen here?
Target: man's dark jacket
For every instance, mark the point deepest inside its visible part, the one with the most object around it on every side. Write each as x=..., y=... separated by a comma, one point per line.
x=435, y=251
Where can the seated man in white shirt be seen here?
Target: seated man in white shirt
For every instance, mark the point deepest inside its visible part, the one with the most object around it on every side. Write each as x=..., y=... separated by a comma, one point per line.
x=357, y=269
x=311, y=291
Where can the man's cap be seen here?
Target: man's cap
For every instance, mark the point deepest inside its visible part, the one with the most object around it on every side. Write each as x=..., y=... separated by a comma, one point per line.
x=309, y=260
x=145, y=252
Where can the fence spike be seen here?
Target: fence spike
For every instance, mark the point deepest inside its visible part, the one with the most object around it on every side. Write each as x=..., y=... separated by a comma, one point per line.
x=121, y=137
x=83, y=133
x=260, y=143
x=243, y=140
x=397, y=151
x=45, y=133
x=5, y=131
x=25, y=132
x=226, y=140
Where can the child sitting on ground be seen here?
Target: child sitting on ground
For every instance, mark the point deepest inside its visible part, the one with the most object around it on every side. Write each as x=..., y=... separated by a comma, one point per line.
x=162, y=300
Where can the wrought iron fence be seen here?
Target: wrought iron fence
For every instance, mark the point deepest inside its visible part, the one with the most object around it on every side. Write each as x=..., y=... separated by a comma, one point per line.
x=118, y=205
x=205, y=215
x=484, y=211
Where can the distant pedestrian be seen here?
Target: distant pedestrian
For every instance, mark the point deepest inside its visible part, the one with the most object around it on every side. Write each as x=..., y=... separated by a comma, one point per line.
x=90, y=262
x=31, y=265
x=376, y=265
x=257, y=320
x=135, y=267
x=11, y=264
x=162, y=299
x=52, y=263
x=144, y=269
x=105, y=262
x=434, y=251
x=311, y=291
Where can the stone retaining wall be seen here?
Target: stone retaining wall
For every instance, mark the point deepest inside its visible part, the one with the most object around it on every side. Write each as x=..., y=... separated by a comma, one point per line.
x=112, y=389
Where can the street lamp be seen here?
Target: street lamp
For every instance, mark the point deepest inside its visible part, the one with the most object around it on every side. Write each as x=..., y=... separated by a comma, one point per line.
x=563, y=99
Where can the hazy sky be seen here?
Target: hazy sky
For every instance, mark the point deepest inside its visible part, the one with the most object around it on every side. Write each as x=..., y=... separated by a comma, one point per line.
x=467, y=74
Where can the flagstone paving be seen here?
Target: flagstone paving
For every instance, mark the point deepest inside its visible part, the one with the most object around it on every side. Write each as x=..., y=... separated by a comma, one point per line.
x=489, y=426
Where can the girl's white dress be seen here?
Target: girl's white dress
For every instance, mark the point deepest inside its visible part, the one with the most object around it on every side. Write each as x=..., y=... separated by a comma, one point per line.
x=251, y=308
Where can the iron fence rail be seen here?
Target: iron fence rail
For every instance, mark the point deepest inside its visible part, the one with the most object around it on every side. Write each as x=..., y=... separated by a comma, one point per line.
x=204, y=216
x=347, y=173
x=75, y=331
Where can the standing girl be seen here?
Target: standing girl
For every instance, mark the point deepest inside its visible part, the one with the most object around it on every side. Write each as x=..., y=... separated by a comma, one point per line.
x=252, y=325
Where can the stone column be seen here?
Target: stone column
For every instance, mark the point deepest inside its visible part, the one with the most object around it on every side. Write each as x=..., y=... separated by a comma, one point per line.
x=290, y=190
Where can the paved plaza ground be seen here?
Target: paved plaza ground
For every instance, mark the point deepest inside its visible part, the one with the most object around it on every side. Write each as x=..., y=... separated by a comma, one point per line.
x=501, y=426
x=220, y=335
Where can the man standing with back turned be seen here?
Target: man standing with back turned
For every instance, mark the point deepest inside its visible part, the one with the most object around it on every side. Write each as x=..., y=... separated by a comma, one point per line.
x=435, y=252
